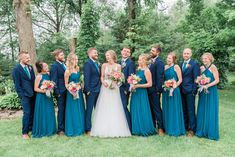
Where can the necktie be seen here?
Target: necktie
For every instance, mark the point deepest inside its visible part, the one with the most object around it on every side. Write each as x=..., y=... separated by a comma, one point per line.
x=27, y=72
x=184, y=66
x=64, y=66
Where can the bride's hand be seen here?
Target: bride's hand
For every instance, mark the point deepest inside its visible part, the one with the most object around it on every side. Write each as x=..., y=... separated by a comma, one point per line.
x=105, y=84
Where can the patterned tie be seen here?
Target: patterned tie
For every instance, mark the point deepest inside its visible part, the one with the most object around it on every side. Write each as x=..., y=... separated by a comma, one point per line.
x=184, y=66
x=27, y=72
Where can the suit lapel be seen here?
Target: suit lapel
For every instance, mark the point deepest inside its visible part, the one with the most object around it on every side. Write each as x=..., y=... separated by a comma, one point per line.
x=60, y=65
x=24, y=73
x=187, y=68
x=93, y=64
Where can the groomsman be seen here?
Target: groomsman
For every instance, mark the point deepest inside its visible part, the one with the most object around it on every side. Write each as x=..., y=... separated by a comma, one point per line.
x=128, y=68
x=190, y=70
x=23, y=77
x=157, y=69
x=57, y=75
x=91, y=85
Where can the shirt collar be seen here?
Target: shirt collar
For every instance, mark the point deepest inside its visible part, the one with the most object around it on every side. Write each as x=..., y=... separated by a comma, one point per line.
x=187, y=61
x=154, y=59
x=23, y=65
x=59, y=62
x=93, y=60
x=124, y=59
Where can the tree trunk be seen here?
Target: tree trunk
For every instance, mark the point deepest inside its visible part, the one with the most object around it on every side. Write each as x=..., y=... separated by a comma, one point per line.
x=72, y=45
x=24, y=27
x=132, y=8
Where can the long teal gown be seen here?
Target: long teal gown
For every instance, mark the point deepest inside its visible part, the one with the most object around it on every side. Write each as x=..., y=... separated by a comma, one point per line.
x=44, y=123
x=142, y=123
x=173, y=119
x=74, y=112
x=208, y=111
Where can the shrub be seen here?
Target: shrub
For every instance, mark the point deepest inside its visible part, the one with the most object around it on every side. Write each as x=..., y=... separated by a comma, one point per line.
x=10, y=101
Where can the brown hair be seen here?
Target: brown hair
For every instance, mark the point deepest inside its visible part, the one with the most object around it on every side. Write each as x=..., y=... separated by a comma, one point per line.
x=22, y=52
x=210, y=56
x=56, y=52
x=39, y=66
x=113, y=55
x=91, y=49
x=173, y=56
x=157, y=47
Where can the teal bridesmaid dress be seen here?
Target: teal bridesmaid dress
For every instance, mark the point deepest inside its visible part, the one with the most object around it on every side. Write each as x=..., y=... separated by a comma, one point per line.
x=208, y=111
x=44, y=123
x=173, y=119
x=74, y=112
x=142, y=123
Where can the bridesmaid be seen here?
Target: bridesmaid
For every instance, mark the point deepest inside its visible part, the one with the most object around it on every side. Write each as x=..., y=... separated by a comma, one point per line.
x=208, y=103
x=142, y=123
x=44, y=115
x=74, y=112
x=173, y=119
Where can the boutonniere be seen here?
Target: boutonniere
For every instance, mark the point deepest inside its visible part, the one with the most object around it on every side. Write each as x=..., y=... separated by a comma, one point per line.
x=98, y=64
x=123, y=64
x=188, y=66
x=30, y=68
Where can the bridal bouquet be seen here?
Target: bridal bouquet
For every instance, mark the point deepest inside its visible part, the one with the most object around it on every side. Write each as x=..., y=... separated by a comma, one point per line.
x=133, y=80
x=117, y=78
x=48, y=86
x=73, y=89
x=168, y=86
x=202, y=81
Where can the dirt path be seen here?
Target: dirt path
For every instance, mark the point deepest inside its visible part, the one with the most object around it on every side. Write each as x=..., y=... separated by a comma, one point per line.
x=10, y=114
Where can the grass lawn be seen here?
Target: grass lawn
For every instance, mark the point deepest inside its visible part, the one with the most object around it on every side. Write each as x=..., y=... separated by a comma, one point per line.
x=12, y=145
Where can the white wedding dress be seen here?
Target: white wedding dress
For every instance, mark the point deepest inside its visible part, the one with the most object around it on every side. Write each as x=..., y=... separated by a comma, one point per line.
x=109, y=116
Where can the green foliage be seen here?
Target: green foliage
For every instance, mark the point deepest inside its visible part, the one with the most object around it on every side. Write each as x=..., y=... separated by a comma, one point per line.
x=57, y=41
x=6, y=66
x=89, y=30
x=6, y=86
x=10, y=101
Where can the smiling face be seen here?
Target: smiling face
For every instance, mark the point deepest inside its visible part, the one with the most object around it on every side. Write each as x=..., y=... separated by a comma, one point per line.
x=45, y=67
x=60, y=57
x=24, y=58
x=206, y=60
x=108, y=57
x=125, y=53
x=169, y=59
x=187, y=54
x=93, y=54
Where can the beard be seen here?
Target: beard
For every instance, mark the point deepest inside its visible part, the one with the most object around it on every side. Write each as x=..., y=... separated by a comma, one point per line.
x=94, y=57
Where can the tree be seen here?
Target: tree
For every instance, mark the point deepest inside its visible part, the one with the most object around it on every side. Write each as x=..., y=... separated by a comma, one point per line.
x=24, y=27
x=89, y=30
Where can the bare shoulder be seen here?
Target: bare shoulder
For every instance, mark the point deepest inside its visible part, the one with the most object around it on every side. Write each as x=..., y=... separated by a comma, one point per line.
x=39, y=77
x=213, y=68
x=118, y=65
x=166, y=66
x=104, y=65
x=202, y=68
x=78, y=68
x=177, y=67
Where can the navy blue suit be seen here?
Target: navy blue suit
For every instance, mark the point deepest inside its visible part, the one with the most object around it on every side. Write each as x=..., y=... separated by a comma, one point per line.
x=25, y=89
x=57, y=76
x=92, y=86
x=154, y=92
x=128, y=68
x=188, y=89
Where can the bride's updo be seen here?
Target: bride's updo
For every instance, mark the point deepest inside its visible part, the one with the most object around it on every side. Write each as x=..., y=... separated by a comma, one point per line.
x=113, y=55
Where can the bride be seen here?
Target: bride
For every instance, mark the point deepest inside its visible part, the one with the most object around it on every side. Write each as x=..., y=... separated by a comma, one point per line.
x=109, y=117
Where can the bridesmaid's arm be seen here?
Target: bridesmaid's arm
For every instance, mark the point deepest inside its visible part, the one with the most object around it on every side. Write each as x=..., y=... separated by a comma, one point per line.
x=66, y=79
x=179, y=74
x=216, y=76
x=36, y=84
x=149, y=83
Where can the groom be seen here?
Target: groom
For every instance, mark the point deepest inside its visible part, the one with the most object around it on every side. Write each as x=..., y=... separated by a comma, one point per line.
x=23, y=77
x=128, y=68
x=154, y=92
x=91, y=85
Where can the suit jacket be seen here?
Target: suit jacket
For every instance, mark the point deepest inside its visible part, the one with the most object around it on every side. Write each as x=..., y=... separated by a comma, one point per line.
x=157, y=71
x=189, y=76
x=91, y=77
x=57, y=76
x=23, y=84
x=127, y=70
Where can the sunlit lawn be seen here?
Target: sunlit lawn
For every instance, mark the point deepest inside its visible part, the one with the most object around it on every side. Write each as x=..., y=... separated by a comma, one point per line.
x=12, y=145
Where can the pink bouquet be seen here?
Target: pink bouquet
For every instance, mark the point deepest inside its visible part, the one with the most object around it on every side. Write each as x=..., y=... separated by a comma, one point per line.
x=168, y=85
x=202, y=81
x=133, y=80
x=48, y=86
x=73, y=89
x=116, y=77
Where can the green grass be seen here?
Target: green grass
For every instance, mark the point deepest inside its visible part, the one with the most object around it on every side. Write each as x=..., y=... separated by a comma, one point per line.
x=12, y=145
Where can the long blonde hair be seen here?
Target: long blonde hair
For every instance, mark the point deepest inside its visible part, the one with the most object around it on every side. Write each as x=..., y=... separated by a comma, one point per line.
x=70, y=62
x=113, y=55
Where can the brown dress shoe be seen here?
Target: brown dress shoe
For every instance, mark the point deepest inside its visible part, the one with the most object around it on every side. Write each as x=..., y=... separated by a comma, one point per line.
x=61, y=133
x=88, y=133
x=160, y=132
x=190, y=134
x=25, y=136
